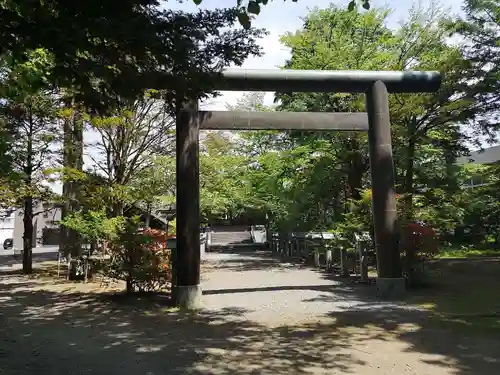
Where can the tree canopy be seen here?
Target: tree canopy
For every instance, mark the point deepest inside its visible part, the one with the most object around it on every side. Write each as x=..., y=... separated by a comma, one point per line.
x=248, y=9
x=113, y=51
x=121, y=69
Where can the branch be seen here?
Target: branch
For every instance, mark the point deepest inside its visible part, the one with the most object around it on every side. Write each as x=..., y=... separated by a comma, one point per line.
x=98, y=165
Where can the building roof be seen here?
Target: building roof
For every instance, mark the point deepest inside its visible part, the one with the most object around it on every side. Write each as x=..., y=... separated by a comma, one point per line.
x=487, y=156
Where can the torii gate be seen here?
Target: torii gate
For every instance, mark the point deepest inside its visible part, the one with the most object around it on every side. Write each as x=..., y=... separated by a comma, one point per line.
x=375, y=84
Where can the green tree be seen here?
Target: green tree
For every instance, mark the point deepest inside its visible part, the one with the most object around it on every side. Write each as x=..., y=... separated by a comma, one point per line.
x=334, y=38
x=480, y=224
x=256, y=142
x=428, y=126
x=223, y=185
x=153, y=187
x=137, y=129
x=250, y=8
x=128, y=140
x=72, y=174
x=480, y=31
x=106, y=55
x=424, y=125
x=30, y=109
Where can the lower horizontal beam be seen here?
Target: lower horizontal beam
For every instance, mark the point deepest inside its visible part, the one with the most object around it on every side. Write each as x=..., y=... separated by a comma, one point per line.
x=306, y=121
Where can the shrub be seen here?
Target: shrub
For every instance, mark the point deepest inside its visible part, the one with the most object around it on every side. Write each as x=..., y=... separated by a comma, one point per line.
x=94, y=228
x=140, y=258
x=420, y=239
x=418, y=243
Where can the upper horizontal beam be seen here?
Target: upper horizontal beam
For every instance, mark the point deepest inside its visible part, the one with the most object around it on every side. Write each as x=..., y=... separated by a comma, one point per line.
x=307, y=121
x=348, y=81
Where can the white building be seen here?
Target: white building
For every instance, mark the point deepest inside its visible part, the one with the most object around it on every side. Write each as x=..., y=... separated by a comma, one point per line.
x=7, y=218
x=45, y=227
x=488, y=156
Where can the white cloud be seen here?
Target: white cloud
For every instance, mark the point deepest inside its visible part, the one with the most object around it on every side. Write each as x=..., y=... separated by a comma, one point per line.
x=275, y=54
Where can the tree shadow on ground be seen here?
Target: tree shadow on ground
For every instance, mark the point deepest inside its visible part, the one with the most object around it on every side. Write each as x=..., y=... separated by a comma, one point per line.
x=320, y=288
x=53, y=333
x=243, y=260
x=454, y=322
x=78, y=333
x=42, y=331
x=462, y=287
x=11, y=260
x=41, y=269
x=445, y=343
x=238, y=260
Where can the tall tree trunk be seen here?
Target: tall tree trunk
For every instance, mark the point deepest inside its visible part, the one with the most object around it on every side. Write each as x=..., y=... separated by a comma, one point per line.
x=28, y=205
x=451, y=185
x=355, y=177
x=118, y=209
x=357, y=167
x=28, y=235
x=410, y=253
x=408, y=188
x=409, y=179
x=147, y=216
x=73, y=161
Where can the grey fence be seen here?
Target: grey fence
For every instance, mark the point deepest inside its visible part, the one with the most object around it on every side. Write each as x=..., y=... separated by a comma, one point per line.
x=327, y=250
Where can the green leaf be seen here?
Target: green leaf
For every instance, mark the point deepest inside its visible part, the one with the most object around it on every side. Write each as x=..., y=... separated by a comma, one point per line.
x=366, y=4
x=244, y=20
x=148, y=48
x=351, y=6
x=253, y=7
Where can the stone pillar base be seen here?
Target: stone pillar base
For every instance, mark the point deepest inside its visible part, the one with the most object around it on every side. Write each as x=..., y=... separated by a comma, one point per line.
x=391, y=288
x=189, y=297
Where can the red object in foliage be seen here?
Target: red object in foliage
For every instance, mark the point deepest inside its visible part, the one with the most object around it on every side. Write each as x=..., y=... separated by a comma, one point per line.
x=420, y=238
x=158, y=245
x=421, y=230
x=158, y=239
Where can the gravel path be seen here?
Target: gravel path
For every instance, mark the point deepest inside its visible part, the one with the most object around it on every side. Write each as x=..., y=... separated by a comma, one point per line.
x=260, y=317
x=274, y=293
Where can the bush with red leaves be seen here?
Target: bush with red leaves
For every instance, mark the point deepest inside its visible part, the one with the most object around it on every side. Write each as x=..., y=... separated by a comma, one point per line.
x=419, y=240
x=141, y=258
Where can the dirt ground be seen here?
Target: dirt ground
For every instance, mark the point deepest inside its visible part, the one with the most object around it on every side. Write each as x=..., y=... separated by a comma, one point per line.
x=260, y=317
